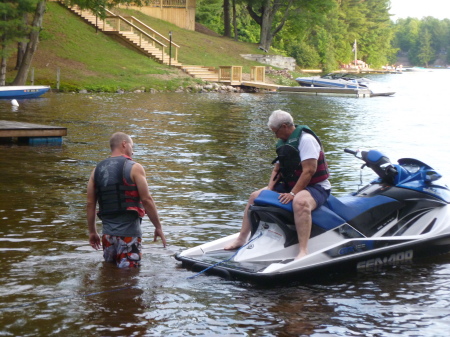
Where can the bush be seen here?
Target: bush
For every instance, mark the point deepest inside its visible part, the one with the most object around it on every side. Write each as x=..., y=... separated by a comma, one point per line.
x=305, y=55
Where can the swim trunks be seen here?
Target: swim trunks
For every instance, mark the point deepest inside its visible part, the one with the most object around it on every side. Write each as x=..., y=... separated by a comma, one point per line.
x=318, y=193
x=125, y=251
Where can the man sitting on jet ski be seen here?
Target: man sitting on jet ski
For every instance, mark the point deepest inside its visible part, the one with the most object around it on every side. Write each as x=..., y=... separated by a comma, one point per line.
x=300, y=175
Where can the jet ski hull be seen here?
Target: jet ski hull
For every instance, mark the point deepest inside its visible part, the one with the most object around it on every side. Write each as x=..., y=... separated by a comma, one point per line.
x=374, y=261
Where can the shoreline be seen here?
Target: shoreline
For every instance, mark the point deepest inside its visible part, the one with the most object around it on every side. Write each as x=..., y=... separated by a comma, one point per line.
x=206, y=88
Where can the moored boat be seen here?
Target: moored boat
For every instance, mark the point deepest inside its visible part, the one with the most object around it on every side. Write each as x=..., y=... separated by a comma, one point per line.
x=345, y=81
x=22, y=91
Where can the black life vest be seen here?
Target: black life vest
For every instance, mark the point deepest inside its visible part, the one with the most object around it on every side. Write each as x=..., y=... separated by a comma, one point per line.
x=114, y=188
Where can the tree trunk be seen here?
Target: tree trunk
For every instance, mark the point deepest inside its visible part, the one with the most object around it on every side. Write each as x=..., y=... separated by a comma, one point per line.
x=22, y=74
x=266, y=36
x=21, y=48
x=3, y=72
x=226, y=18
x=268, y=11
x=235, y=21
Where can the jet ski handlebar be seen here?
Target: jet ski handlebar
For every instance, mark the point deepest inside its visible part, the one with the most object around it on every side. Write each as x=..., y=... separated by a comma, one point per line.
x=378, y=162
x=351, y=152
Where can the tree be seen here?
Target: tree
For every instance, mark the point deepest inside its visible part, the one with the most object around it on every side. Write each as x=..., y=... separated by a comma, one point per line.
x=376, y=41
x=96, y=6
x=13, y=29
x=226, y=18
x=265, y=13
x=426, y=52
x=423, y=40
x=25, y=65
x=209, y=13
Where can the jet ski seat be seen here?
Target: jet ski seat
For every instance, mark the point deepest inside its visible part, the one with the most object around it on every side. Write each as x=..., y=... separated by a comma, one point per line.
x=349, y=207
x=322, y=217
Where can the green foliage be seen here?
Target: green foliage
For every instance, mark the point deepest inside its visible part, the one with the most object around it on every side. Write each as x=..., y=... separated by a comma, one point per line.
x=317, y=33
x=98, y=62
x=426, y=51
x=210, y=14
x=423, y=41
x=13, y=27
x=305, y=55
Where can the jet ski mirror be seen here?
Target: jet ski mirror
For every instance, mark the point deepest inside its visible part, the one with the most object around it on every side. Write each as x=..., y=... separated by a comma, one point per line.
x=431, y=175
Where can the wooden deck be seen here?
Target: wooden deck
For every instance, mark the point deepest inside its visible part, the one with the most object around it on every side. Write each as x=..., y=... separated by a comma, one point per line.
x=33, y=134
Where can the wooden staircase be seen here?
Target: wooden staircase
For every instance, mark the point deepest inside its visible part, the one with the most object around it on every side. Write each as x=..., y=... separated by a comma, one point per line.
x=144, y=39
x=205, y=73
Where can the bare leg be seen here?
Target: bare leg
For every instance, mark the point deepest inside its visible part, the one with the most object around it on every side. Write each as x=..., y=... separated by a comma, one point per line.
x=303, y=205
x=246, y=226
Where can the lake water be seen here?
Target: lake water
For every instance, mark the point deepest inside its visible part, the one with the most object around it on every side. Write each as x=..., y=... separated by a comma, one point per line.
x=204, y=154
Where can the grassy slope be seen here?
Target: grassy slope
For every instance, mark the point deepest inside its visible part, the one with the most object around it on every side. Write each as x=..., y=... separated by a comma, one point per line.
x=97, y=62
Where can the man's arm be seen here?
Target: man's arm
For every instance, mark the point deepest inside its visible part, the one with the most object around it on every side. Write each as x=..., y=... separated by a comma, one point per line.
x=274, y=177
x=91, y=204
x=139, y=178
x=309, y=167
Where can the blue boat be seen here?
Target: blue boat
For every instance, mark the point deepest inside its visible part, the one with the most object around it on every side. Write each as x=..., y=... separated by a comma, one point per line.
x=23, y=91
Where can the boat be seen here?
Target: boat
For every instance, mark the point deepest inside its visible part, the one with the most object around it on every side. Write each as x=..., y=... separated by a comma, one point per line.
x=399, y=217
x=417, y=69
x=22, y=91
x=345, y=81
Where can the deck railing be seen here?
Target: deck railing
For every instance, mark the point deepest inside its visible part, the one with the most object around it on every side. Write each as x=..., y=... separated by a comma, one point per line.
x=230, y=74
x=172, y=3
x=258, y=74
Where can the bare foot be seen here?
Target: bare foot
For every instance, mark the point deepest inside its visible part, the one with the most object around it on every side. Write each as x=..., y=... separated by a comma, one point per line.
x=300, y=255
x=238, y=243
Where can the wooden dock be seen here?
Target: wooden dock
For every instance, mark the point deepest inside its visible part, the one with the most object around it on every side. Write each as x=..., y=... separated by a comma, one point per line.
x=322, y=91
x=316, y=91
x=33, y=134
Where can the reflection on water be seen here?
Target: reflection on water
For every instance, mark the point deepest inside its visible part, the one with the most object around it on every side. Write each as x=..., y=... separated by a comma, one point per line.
x=204, y=154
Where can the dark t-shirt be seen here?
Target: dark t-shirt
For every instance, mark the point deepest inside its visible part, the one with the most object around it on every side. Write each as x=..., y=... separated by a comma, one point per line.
x=126, y=224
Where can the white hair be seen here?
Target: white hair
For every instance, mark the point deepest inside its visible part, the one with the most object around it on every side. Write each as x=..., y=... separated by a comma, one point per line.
x=278, y=118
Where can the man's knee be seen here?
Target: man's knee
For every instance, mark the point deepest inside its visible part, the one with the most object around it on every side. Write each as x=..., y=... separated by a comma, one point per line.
x=303, y=202
x=254, y=195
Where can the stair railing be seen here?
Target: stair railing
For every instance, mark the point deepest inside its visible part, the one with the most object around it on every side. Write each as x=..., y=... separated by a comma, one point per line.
x=145, y=33
x=153, y=33
x=120, y=23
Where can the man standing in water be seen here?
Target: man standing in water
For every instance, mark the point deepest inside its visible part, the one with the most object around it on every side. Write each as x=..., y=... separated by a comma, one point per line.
x=119, y=185
x=300, y=175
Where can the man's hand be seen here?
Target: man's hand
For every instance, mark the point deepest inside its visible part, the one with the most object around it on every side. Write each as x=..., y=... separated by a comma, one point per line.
x=94, y=240
x=285, y=198
x=159, y=232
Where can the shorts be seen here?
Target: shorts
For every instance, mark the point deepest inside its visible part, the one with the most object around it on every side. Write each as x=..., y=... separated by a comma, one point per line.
x=125, y=251
x=318, y=193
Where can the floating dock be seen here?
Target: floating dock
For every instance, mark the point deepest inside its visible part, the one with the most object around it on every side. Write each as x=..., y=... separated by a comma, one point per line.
x=316, y=91
x=33, y=134
x=359, y=93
